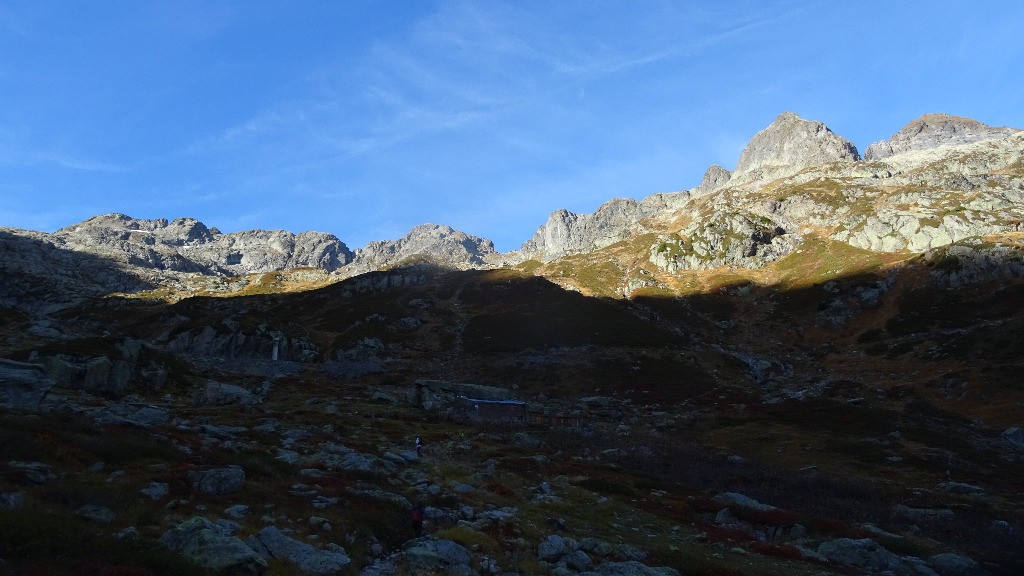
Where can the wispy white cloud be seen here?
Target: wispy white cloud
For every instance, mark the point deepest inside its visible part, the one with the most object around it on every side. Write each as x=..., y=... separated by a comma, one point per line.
x=82, y=164
x=463, y=67
x=16, y=150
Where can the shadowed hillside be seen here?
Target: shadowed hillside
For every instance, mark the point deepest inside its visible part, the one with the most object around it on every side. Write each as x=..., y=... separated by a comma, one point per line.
x=806, y=366
x=868, y=405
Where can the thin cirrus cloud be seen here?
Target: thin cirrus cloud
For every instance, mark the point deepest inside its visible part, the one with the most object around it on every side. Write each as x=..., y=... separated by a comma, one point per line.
x=18, y=151
x=485, y=116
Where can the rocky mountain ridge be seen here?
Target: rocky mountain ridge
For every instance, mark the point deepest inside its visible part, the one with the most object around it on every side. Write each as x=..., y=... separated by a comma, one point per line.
x=786, y=370
x=938, y=180
x=933, y=131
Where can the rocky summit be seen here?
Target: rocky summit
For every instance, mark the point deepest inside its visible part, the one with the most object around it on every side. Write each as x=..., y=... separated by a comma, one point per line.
x=932, y=131
x=792, y=143
x=806, y=365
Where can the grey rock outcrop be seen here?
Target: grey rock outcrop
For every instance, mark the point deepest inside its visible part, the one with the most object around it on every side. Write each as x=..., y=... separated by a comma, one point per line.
x=22, y=385
x=442, y=244
x=553, y=548
x=869, y=555
x=957, y=265
x=948, y=564
x=255, y=251
x=34, y=472
x=272, y=543
x=742, y=501
x=95, y=513
x=791, y=143
x=220, y=394
x=567, y=233
x=131, y=415
x=932, y=131
x=213, y=547
x=1014, y=437
x=714, y=178
x=217, y=481
x=12, y=500
x=723, y=239
x=187, y=245
x=116, y=253
x=42, y=274
x=430, y=556
x=941, y=201
x=156, y=490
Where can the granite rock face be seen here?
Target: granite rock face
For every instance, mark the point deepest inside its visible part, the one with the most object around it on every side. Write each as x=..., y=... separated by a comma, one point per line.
x=714, y=178
x=932, y=131
x=567, y=233
x=42, y=274
x=22, y=385
x=272, y=543
x=916, y=201
x=187, y=245
x=938, y=181
x=792, y=143
x=217, y=481
x=442, y=244
x=212, y=547
x=787, y=146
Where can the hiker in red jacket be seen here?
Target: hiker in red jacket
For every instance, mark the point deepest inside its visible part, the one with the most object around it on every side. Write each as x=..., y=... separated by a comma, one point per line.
x=417, y=519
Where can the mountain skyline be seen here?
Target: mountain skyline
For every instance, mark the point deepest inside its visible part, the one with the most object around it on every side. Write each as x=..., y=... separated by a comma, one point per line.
x=366, y=122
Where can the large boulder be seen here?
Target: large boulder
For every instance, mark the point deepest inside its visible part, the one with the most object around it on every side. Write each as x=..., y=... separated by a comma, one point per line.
x=1014, y=437
x=553, y=548
x=272, y=543
x=869, y=555
x=220, y=394
x=949, y=564
x=22, y=385
x=217, y=481
x=212, y=547
x=430, y=556
x=127, y=414
x=741, y=501
x=34, y=472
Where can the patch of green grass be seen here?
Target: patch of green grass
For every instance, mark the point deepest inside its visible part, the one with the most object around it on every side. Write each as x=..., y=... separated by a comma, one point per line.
x=818, y=261
x=530, y=266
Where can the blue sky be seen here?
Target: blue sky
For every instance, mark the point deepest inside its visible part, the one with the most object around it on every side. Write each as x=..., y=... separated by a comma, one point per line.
x=364, y=119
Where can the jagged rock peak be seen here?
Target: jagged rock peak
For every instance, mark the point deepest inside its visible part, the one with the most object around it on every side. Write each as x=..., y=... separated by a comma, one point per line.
x=793, y=143
x=443, y=243
x=714, y=178
x=178, y=231
x=932, y=131
x=187, y=245
x=568, y=233
x=267, y=250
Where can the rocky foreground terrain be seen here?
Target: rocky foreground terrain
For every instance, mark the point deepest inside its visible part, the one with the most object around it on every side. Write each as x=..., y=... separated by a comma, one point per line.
x=806, y=365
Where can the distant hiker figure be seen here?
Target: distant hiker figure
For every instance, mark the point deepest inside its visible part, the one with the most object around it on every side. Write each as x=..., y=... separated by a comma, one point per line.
x=417, y=519
x=419, y=447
